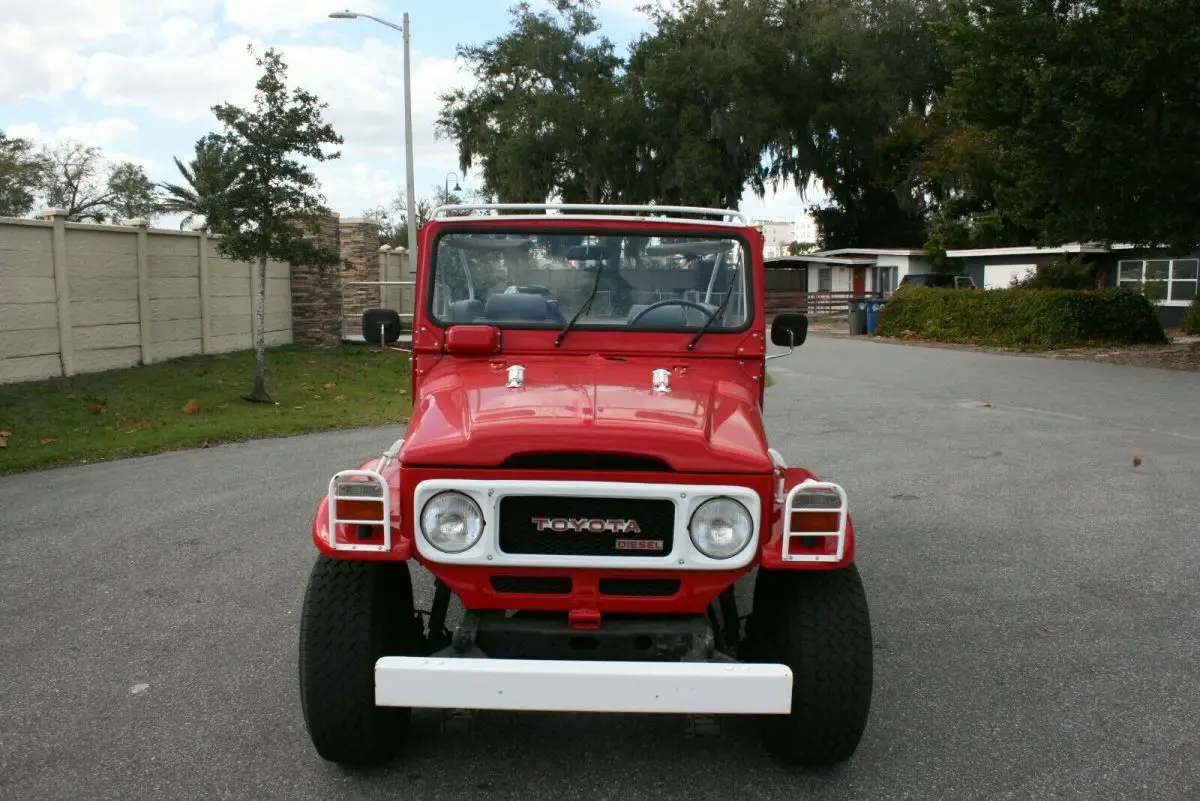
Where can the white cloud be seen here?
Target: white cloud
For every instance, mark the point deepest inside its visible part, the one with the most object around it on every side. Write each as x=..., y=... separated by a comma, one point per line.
x=173, y=84
x=364, y=88
x=101, y=133
x=275, y=16
x=36, y=67
x=46, y=43
x=185, y=35
x=785, y=202
x=352, y=187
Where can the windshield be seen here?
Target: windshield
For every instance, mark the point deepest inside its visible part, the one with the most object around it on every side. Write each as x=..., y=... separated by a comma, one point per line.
x=545, y=279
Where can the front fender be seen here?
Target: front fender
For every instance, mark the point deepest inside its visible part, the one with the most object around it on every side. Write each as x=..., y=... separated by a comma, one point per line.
x=772, y=549
x=402, y=546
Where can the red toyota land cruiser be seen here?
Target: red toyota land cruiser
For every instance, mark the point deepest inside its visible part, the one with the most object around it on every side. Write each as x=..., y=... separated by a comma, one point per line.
x=587, y=469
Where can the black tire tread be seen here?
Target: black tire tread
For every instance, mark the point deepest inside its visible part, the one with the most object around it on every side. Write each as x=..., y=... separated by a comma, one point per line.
x=818, y=623
x=354, y=612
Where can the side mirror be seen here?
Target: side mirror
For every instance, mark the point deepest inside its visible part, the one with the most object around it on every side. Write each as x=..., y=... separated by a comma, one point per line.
x=381, y=326
x=789, y=329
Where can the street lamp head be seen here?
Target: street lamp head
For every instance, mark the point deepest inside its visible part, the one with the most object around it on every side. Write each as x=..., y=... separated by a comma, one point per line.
x=343, y=15
x=457, y=188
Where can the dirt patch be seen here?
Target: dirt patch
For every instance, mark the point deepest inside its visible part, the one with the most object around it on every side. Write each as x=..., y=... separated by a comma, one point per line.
x=1182, y=353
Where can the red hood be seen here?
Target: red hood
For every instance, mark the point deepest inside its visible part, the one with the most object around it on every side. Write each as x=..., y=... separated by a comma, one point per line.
x=709, y=421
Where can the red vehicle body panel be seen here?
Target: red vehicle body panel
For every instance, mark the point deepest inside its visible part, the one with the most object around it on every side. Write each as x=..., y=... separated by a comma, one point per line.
x=709, y=422
x=591, y=395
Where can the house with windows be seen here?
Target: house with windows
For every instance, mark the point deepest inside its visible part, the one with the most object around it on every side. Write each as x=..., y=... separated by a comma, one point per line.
x=1170, y=281
x=851, y=271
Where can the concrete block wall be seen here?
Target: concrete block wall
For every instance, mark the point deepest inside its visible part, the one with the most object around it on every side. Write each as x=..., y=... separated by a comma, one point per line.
x=79, y=297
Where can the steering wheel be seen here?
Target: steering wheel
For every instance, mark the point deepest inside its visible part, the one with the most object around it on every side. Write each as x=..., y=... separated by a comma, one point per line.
x=669, y=302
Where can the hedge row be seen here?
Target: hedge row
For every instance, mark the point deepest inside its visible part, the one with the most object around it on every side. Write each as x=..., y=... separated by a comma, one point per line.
x=1191, y=317
x=1029, y=319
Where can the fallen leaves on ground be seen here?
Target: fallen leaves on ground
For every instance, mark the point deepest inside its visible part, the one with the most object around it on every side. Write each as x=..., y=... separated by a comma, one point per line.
x=191, y=407
x=1137, y=461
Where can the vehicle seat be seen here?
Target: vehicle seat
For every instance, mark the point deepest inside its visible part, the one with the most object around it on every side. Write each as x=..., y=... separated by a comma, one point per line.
x=520, y=306
x=464, y=311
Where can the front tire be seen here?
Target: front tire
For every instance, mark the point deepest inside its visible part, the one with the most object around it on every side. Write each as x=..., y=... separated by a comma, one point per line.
x=817, y=623
x=354, y=613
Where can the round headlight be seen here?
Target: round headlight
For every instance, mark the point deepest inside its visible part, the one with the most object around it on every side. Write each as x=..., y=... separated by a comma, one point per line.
x=721, y=528
x=452, y=522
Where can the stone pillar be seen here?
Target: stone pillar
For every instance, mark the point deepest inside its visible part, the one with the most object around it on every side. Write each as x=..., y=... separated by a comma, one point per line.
x=360, y=262
x=316, y=295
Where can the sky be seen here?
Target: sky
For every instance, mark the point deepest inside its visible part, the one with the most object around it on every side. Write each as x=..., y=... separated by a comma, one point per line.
x=138, y=78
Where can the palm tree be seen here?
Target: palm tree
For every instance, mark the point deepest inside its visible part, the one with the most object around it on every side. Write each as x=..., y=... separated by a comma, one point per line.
x=209, y=177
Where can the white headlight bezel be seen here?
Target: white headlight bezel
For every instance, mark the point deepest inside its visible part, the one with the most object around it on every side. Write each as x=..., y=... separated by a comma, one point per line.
x=489, y=493
x=464, y=497
x=746, y=540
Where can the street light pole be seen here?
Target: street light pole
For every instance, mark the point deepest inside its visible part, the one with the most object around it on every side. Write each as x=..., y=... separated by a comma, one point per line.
x=408, y=132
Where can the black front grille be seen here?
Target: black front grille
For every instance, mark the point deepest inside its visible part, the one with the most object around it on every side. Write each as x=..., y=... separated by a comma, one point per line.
x=587, y=526
x=640, y=587
x=532, y=585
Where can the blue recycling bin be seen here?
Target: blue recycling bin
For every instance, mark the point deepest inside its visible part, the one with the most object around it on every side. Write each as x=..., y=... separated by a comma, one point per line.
x=874, y=307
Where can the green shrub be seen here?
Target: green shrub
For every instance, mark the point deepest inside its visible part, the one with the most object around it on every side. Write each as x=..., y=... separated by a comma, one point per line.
x=1191, y=317
x=1029, y=319
x=1069, y=273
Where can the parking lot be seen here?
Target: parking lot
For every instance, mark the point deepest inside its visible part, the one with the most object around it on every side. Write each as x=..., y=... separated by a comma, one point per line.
x=1034, y=595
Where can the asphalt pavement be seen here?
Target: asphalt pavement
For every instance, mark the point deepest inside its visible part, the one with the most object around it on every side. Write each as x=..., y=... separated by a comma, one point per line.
x=1034, y=596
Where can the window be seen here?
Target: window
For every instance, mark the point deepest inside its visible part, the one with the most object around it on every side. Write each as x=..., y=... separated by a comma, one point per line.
x=885, y=279
x=543, y=279
x=1162, y=280
x=825, y=279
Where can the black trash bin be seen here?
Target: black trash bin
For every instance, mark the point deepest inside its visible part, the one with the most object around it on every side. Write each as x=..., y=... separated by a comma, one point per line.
x=858, y=317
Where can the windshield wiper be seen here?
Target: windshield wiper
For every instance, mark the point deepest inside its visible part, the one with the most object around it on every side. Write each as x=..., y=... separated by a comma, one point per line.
x=587, y=304
x=720, y=310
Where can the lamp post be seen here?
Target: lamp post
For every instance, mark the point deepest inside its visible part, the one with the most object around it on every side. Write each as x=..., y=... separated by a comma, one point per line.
x=457, y=188
x=408, y=132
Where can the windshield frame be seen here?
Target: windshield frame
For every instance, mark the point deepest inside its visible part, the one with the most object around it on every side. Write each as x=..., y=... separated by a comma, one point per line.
x=609, y=228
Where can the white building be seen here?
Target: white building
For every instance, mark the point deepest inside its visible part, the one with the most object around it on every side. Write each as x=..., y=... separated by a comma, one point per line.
x=859, y=271
x=806, y=228
x=777, y=235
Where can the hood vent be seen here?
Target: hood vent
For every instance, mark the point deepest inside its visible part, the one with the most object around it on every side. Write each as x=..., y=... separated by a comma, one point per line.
x=610, y=462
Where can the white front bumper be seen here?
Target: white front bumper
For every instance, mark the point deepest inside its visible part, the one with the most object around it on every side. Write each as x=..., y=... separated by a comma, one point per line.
x=583, y=686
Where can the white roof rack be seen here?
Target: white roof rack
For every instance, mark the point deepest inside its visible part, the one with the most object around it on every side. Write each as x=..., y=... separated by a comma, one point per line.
x=602, y=212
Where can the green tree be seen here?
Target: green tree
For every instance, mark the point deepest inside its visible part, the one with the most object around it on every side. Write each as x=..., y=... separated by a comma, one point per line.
x=209, y=176
x=131, y=193
x=1090, y=112
x=799, y=248
x=267, y=213
x=21, y=175
x=541, y=119
x=78, y=178
x=75, y=180
x=866, y=78
x=393, y=217
x=708, y=89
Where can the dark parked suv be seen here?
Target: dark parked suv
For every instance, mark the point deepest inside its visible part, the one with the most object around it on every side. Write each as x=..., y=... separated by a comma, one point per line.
x=943, y=280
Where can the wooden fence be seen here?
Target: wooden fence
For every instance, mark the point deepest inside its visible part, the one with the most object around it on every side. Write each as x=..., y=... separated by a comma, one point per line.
x=815, y=304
